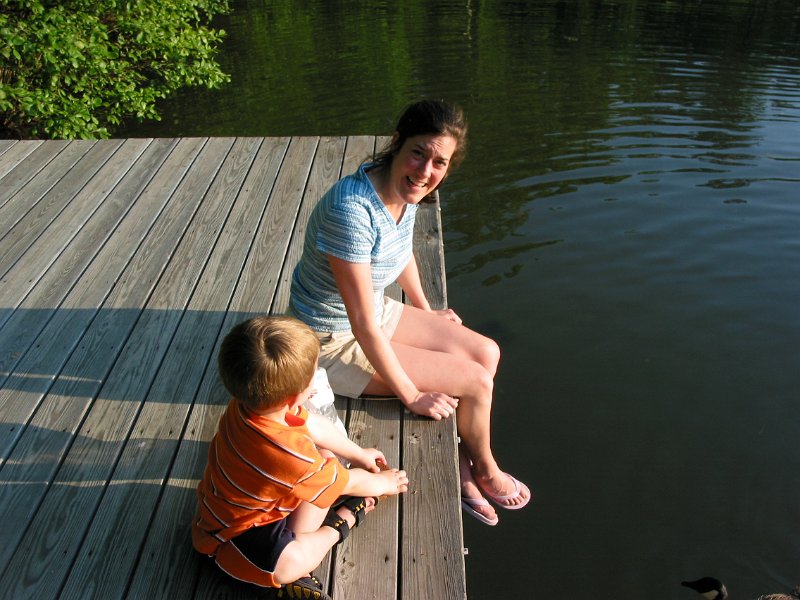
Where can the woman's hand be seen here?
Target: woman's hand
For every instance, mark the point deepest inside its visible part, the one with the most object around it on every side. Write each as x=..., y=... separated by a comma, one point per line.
x=370, y=458
x=449, y=314
x=435, y=405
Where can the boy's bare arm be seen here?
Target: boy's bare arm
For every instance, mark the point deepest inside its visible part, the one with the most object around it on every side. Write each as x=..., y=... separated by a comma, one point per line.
x=326, y=435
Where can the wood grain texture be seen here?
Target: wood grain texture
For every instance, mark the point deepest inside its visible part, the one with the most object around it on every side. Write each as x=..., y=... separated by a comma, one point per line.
x=49, y=224
x=68, y=269
x=366, y=564
x=433, y=540
x=11, y=178
x=56, y=531
x=104, y=565
x=29, y=183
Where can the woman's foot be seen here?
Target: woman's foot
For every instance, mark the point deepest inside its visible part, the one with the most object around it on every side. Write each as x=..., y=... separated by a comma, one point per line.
x=504, y=489
x=472, y=501
x=477, y=507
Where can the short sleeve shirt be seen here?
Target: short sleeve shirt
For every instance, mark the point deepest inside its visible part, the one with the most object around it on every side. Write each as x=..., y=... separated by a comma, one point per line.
x=259, y=471
x=351, y=223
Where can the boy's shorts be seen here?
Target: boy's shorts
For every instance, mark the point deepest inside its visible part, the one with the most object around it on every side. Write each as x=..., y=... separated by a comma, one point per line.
x=253, y=555
x=349, y=370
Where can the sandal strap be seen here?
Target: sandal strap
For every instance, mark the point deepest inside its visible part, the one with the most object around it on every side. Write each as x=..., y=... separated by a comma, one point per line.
x=334, y=521
x=355, y=504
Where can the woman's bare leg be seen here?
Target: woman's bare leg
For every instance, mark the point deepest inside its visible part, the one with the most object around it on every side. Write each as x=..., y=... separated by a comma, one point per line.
x=422, y=329
x=470, y=489
x=441, y=356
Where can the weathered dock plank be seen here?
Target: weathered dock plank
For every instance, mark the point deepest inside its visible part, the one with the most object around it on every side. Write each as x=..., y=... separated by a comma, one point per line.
x=131, y=262
x=20, y=195
x=97, y=441
x=125, y=268
x=12, y=180
x=44, y=298
x=431, y=541
x=101, y=334
x=366, y=566
x=5, y=145
x=108, y=423
x=277, y=226
x=155, y=431
x=48, y=222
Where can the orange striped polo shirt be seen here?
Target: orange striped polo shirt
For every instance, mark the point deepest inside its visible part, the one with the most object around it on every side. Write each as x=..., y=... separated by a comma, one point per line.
x=258, y=472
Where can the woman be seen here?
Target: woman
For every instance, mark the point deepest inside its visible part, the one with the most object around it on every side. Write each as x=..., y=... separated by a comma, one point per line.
x=359, y=240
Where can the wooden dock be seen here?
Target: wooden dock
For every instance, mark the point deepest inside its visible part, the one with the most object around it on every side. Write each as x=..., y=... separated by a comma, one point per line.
x=123, y=264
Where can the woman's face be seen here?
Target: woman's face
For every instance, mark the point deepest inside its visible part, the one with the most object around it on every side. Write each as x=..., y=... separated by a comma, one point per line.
x=419, y=167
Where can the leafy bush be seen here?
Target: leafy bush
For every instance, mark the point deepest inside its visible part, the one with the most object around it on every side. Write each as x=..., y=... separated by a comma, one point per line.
x=72, y=68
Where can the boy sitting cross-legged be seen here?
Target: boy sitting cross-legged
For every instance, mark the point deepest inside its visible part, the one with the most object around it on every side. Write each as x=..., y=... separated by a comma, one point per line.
x=266, y=495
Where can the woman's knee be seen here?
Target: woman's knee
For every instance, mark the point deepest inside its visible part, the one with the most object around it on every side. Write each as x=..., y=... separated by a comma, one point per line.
x=489, y=355
x=481, y=384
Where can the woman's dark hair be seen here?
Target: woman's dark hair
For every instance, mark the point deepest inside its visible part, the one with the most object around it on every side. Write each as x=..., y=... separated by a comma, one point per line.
x=427, y=117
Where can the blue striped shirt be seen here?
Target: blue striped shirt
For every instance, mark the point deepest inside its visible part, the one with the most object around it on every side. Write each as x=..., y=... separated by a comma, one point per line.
x=350, y=222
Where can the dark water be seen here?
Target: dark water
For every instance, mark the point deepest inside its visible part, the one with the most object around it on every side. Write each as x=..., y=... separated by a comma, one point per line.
x=627, y=225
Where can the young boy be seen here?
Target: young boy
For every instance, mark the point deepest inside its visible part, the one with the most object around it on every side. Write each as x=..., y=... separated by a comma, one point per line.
x=266, y=495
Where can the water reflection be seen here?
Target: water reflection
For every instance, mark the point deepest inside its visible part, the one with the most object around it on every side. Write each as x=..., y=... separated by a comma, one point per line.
x=625, y=224
x=506, y=252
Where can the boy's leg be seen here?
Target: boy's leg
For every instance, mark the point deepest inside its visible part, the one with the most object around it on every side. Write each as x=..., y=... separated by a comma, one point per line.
x=306, y=518
x=281, y=552
x=252, y=555
x=312, y=541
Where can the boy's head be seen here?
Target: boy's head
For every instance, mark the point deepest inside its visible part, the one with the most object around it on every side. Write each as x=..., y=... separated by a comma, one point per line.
x=265, y=360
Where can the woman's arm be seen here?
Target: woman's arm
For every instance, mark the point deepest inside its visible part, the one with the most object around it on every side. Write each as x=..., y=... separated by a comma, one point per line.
x=354, y=281
x=412, y=285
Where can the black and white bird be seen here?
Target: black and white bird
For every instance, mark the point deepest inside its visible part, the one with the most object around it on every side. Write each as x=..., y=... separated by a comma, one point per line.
x=713, y=589
x=708, y=587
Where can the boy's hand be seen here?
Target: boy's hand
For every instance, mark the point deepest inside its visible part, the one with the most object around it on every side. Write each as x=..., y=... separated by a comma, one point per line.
x=371, y=459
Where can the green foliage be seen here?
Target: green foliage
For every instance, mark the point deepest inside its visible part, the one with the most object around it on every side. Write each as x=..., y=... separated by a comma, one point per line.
x=73, y=68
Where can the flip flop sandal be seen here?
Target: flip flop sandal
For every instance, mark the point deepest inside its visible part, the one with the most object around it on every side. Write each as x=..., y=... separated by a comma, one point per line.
x=305, y=588
x=499, y=499
x=470, y=504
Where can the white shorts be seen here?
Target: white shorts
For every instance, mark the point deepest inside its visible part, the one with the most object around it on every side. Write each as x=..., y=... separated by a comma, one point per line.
x=341, y=356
